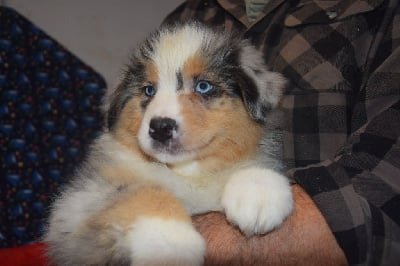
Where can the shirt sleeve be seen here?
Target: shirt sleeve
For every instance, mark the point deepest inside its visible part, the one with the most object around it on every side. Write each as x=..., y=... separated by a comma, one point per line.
x=358, y=190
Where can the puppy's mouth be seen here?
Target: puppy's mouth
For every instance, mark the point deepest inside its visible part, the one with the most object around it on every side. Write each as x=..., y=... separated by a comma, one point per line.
x=174, y=151
x=172, y=147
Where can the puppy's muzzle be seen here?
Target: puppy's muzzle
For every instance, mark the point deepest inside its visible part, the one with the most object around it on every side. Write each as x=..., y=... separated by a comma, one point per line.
x=162, y=129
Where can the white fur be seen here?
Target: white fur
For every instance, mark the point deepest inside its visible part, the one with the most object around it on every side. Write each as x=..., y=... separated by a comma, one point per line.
x=257, y=200
x=190, y=169
x=164, y=104
x=153, y=241
x=81, y=204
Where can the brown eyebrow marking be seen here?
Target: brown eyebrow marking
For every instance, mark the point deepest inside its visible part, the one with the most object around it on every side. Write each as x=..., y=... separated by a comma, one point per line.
x=151, y=72
x=194, y=66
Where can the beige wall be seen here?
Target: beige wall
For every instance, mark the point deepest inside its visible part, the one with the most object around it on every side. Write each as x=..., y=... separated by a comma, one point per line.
x=100, y=32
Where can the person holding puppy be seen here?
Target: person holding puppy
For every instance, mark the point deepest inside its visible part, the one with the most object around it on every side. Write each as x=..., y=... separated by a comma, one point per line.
x=339, y=130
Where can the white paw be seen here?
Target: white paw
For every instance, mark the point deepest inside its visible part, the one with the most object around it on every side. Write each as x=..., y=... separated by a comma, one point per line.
x=257, y=200
x=155, y=241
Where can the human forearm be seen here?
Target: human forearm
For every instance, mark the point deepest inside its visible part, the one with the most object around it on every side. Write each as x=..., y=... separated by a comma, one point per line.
x=303, y=239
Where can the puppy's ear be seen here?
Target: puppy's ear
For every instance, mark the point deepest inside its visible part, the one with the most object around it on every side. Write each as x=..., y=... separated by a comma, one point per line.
x=261, y=89
x=116, y=97
x=113, y=103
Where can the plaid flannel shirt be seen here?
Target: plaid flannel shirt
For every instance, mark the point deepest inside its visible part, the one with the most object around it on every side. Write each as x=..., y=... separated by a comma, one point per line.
x=341, y=111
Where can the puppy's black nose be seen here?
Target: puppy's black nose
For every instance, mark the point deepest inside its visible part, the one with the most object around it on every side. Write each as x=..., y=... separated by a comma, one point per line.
x=161, y=129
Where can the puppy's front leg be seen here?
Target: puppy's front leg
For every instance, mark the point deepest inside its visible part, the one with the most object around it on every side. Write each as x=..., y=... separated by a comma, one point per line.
x=150, y=227
x=257, y=200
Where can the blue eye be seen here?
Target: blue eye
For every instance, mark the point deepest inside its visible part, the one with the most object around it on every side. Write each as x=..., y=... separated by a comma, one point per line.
x=149, y=91
x=203, y=87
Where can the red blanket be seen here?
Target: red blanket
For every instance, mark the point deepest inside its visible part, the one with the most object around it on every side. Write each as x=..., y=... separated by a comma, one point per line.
x=30, y=255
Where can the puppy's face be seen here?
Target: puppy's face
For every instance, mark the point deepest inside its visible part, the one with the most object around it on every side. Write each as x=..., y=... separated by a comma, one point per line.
x=190, y=93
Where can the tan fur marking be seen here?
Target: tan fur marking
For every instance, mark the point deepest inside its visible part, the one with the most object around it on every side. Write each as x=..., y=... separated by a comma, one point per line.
x=145, y=201
x=224, y=130
x=152, y=72
x=193, y=66
x=128, y=125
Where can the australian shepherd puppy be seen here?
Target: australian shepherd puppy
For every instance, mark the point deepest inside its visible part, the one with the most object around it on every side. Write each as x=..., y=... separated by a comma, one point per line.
x=183, y=137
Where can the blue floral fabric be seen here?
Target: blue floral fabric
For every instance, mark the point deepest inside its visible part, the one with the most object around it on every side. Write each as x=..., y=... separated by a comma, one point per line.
x=49, y=112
